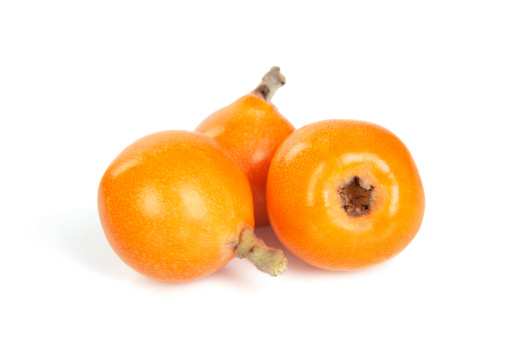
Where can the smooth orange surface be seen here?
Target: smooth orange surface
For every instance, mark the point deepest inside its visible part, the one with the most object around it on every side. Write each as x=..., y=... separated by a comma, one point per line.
x=170, y=204
x=250, y=130
x=305, y=208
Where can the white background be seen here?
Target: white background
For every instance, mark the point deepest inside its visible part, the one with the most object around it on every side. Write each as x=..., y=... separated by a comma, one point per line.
x=80, y=80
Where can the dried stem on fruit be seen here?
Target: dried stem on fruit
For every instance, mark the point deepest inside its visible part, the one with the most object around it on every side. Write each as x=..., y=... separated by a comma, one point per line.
x=270, y=83
x=266, y=259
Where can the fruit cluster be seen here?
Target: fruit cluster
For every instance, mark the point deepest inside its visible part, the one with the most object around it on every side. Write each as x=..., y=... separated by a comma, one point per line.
x=339, y=194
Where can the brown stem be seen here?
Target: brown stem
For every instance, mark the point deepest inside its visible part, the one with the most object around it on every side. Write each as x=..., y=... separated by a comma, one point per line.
x=266, y=259
x=270, y=84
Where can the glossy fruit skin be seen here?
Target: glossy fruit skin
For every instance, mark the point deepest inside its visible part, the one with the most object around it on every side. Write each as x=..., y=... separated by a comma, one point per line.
x=171, y=203
x=250, y=130
x=305, y=208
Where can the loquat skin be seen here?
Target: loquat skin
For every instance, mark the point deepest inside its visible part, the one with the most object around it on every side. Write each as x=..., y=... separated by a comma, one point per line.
x=250, y=130
x=344, y=194
x=173, y=205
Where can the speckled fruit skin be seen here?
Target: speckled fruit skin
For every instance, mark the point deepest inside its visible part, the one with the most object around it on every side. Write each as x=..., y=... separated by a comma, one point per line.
x=250, y=130
x=305, y=208
x=171, y=203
